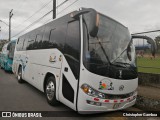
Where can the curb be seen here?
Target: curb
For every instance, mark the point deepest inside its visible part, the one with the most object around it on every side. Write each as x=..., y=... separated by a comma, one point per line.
x=147, y=104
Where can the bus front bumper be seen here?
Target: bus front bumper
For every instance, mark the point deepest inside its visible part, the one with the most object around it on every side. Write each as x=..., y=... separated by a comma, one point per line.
x=89, y=105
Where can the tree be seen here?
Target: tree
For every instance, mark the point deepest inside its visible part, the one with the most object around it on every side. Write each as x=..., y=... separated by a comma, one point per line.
x=157, y=40
x=2, y=42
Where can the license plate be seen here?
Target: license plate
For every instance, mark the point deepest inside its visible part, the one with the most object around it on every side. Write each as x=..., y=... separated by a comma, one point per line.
x=116, y=105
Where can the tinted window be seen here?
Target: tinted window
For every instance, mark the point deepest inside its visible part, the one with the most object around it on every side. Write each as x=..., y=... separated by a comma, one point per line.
x=20, y=42
x=11, y=50
x=57, y=37
x=31, y=40
x=39, y=37
x=72, y=47
x=45, y=40
x=38, y=41
x=25, y=43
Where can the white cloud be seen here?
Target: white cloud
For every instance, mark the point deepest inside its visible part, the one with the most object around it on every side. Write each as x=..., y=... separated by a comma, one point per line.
x=137, y=15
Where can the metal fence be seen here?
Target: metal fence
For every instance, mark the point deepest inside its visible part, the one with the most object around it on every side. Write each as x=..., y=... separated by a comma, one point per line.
x=145, y=61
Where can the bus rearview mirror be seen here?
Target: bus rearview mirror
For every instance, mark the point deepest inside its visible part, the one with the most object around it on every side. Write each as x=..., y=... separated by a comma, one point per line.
x=149, y=40
x=91, y=19
x=8, y=47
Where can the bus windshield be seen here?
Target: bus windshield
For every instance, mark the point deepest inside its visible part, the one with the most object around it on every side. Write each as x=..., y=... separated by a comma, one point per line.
x=112, y=46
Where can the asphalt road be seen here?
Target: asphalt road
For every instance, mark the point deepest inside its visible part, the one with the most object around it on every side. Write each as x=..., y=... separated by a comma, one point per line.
x=24, y=97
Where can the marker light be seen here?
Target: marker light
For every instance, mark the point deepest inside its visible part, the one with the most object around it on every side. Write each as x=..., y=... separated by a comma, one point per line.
x=85, y=88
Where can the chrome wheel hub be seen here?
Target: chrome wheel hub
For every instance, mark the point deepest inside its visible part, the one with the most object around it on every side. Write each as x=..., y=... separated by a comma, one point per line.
x=50, y=89
x=19, y=75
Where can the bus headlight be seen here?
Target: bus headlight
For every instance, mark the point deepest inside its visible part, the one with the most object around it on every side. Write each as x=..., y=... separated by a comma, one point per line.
x=91, y=92
x=94, y=93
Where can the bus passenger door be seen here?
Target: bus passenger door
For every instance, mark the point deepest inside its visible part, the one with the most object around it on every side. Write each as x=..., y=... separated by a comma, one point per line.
x=70, y=66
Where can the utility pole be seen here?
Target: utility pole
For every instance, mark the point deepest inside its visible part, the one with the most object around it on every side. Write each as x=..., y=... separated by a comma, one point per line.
x=0, y=29
x=10, y=16
x=54, y=9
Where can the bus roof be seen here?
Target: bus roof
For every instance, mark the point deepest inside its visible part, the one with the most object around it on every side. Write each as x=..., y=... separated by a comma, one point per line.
x=64, y=19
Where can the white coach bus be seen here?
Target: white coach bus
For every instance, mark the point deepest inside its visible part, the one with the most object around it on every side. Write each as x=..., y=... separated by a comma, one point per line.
x=84, y=59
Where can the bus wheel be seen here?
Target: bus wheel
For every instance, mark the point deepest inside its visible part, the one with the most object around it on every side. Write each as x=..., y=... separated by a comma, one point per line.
x=50, y=91
x=19, y=76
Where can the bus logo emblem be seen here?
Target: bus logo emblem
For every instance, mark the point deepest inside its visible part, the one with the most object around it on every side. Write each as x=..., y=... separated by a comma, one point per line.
x=121, y=88
x=105, y=85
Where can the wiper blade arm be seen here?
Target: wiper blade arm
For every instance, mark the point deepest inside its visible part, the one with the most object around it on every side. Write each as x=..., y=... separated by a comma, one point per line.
x=121, y=52
x=123, y=63
x=103, y=50
x=119, y=64
x=127, y=67
x=119, y=55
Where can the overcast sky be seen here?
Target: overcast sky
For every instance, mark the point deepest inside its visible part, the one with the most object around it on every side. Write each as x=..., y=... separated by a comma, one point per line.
x=137, y=15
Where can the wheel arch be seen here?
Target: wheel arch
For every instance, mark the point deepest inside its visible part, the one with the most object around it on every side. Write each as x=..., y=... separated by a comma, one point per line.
x=46, y=77
x=18, y=67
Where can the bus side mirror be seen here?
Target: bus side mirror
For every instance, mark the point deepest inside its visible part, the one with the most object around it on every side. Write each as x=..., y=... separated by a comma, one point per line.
x=8, y=47
x=91, y=19
x=149, y=40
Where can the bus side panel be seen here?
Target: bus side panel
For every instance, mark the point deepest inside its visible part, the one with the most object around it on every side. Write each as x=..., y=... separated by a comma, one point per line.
x=19, y=60
x=41, y=62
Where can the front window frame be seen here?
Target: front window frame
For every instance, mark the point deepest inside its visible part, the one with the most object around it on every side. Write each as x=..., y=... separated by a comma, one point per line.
x=107, y=71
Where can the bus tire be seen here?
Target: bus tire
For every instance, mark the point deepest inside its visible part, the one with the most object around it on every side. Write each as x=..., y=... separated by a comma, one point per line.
x=19, y=76
x=50, y=91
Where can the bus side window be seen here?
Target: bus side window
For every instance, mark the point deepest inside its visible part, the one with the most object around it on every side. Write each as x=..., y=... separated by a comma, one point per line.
x=20, y=44
x=57, y=37
x=72, y=47
x=45, y=39
x=17, y=46
x=11, y=51
x=52, y=39
x=36, y=42
x=31, y=41
x=18, y=40
x=25, y=42
x=39, y=37
x=39, y=40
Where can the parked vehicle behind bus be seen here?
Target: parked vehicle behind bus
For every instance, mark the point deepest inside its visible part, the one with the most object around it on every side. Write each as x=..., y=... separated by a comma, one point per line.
x=7, y=55
x=0, y=57
x=84, y=59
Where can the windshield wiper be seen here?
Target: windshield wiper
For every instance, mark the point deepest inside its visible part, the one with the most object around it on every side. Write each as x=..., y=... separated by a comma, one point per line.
x=103, y=50
x=121, y=52
x=125, y=64
x=119, y=64
x=119, y=55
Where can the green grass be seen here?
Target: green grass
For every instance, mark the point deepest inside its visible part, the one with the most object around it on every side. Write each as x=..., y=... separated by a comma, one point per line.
x=148, y=62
